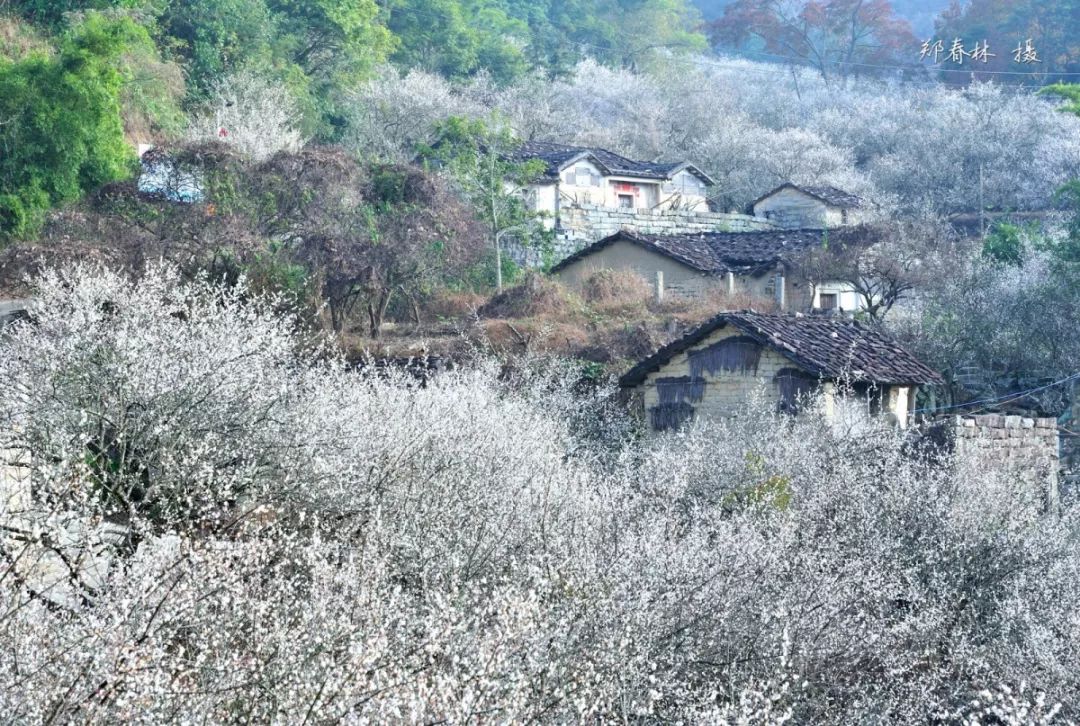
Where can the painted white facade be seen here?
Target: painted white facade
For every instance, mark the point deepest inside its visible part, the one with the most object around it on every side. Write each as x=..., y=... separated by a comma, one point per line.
x=583, y=183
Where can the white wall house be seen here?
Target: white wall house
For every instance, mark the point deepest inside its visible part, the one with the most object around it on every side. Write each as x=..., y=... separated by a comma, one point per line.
x=580, y=176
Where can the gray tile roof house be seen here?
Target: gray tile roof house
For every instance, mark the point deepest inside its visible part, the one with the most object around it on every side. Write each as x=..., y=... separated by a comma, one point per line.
x=763, y=265
x=560, y=156
x=720, y=367
x=715, y=253
x=830, y=195
x=827, y=347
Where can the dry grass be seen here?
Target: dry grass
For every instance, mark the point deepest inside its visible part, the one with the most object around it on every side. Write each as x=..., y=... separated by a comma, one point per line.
x=617, y=291
x=18, y=39
x=615, y=322
x=536, y=297
x=453, y=305
x=712, y=302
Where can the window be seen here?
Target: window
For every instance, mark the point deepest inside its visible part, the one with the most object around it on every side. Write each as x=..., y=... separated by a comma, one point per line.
x=843, y=216
x=671, y=416
x=828, y=301
x=795, y=387
x=583, y=176
x=626, y=201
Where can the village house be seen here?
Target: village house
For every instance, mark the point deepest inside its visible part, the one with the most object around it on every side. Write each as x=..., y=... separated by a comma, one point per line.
x=714, y=371
x=758, y=264
x=795, y=207
x=581, y=175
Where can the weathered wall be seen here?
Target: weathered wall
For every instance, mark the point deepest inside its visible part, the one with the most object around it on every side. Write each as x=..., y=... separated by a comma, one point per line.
x=792, y=209
x=590, y=222
x=730, y=385
x=725, y=393
x=582, y=224
x=680, y=279
x=1027, y=447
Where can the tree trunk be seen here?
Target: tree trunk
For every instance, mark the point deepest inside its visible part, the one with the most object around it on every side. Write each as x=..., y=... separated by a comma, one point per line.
x=377, y=311
x=498, y=265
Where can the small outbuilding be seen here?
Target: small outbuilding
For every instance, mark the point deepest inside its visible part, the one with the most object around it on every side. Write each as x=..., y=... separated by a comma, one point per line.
x=820, y=207
x=715, y=370
x=752, y=263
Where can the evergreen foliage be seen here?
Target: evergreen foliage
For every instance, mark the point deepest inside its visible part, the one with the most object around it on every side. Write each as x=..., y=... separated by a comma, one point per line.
x=60, y=127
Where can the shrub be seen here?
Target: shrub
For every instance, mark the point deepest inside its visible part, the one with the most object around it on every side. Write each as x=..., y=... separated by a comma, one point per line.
x=614, y=290
x=536, y=296
x=317, y=542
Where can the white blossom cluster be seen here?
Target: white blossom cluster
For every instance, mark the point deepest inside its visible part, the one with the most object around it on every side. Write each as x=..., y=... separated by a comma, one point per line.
x=254, y=113
x=292, y=540
x=917, y=147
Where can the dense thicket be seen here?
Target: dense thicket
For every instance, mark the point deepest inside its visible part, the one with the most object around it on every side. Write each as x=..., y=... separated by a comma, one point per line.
x=231, y=525
x=60, y=128
x=911, y=149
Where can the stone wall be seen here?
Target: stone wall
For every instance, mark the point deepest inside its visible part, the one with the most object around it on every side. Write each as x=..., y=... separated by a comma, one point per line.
x=589, y=223
x=1027, y=447
x=582, y=224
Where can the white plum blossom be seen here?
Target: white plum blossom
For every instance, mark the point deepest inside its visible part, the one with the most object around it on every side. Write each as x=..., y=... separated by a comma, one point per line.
x=306, y=541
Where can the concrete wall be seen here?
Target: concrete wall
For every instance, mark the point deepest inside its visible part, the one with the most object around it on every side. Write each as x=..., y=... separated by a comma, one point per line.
x=847, y=299
x=1027, y=447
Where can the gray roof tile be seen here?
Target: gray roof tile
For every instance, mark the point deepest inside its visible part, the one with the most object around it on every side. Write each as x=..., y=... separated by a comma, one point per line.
x=828, y=347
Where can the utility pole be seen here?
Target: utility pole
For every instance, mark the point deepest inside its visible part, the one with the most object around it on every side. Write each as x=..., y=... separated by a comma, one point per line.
x=982, y=209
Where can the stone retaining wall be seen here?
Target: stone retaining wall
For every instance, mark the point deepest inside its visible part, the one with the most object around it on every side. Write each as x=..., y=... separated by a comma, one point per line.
x=589, y=223
x=582, y=224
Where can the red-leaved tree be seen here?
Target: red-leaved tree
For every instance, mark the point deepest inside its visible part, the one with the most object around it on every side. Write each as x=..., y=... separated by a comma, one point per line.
x=837, y=37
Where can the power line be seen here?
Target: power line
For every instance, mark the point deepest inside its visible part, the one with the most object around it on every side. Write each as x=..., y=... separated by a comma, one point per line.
x=938, y=69
x=1000, y=399
x=693, y=61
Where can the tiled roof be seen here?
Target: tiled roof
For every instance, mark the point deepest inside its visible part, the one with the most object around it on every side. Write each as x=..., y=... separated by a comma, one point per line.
x=830, y=195
x=822, y=346
x=720, y=252
x=557, y=156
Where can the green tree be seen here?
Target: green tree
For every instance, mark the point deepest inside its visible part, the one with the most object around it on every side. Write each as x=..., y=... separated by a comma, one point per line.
x=1004, y=243
x=480, y=158
x=458, y=39
x=61, y=132
x=215, y=37
x=51, y=13
x=1068, y=91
